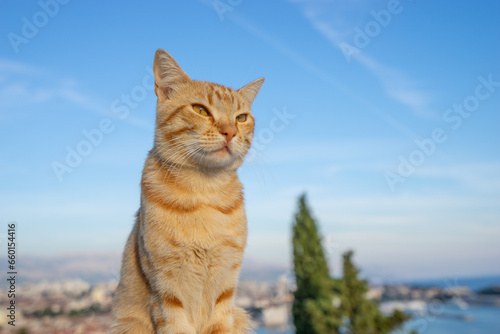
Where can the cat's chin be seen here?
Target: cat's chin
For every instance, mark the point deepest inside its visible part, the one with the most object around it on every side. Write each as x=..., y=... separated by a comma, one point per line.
x=220, y=158
x=222, y=151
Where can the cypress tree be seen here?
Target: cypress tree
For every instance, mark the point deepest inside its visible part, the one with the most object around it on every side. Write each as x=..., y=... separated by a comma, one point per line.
x=313, y=310
x=362, y=315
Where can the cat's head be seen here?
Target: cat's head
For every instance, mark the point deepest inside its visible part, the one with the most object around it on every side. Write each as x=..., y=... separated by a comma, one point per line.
x=201, y=124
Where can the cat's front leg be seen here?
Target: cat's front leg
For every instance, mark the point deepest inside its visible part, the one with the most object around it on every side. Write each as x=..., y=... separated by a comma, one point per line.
x=236, y=321
x=169, y=316
x=226, y=318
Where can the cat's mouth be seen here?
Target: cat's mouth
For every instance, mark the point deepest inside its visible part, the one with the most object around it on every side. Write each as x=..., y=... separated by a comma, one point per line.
x=217, y=157
x=223, y=149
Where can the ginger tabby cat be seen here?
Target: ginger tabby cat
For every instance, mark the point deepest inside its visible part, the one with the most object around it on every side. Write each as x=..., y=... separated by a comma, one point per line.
x=181, y=263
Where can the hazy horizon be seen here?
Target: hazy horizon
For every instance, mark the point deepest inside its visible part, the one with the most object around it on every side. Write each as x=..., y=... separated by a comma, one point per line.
x=35, y=267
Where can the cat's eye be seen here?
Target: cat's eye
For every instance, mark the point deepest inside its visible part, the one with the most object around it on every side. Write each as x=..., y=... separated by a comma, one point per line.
x=241, y=118
x=201, y=110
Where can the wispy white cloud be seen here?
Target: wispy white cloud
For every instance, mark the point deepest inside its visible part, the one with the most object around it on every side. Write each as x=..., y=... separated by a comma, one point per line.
x=20, y=92
x=327, y=18
x=10, y=66
x=424, y=256
x=481, y=177
x=22, y=85
x=277, y=44
x=398, y=86
x=333, y=150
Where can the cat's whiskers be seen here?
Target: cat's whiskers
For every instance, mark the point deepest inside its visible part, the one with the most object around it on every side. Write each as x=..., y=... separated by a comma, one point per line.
x=180, y=156
x=253, y=158
x=176, y=152
x=179, y=151
x=187, y=155
x=164, y=163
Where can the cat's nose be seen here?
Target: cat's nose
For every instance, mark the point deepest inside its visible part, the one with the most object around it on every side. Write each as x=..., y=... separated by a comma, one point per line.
x=228, y=131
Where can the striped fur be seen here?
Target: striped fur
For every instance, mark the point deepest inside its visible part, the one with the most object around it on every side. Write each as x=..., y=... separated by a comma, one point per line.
x=182, y=259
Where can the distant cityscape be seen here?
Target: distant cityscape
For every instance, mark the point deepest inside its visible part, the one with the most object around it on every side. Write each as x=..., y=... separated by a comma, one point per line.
x=76, y=306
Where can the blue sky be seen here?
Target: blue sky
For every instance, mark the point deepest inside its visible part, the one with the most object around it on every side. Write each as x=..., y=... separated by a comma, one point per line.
x=386, y=113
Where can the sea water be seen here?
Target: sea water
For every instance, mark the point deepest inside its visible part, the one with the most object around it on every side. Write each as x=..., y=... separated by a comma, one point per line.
x=447, y=319
x=452, y=320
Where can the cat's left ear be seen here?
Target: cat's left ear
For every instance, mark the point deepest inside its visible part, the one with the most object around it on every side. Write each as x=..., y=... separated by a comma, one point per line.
x=168, y=74
x=249, y=92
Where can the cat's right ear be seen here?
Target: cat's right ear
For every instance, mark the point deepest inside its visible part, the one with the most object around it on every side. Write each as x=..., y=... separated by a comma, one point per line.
x=168, y=74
